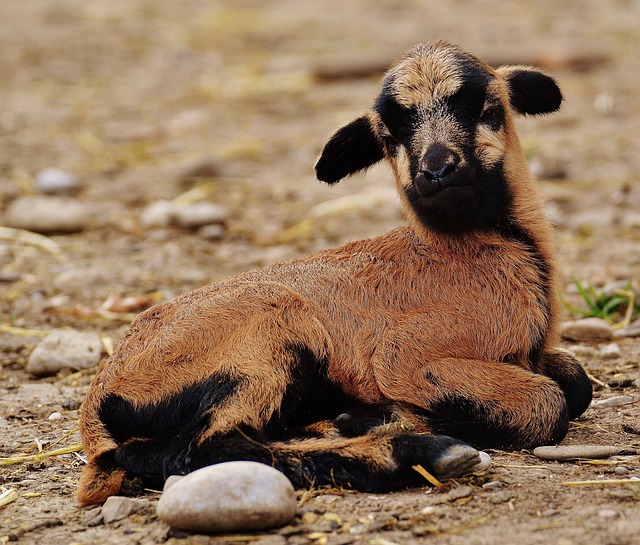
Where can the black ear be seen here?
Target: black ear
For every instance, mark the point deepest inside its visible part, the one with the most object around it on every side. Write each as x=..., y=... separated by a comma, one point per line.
x=354, y=147
x=531, y=91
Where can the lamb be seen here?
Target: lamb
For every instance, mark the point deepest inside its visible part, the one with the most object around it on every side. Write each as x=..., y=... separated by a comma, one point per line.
x=350, y=366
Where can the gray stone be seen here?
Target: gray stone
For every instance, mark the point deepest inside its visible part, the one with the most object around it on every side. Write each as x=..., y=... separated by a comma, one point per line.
x=575, y=452
x=43, y=214
x=228, y=497
x=198, y=214
x=118, y=507
x=54, y=181
x=587, y=329
x=610, y=351
x=615, y=401
x=65, y=349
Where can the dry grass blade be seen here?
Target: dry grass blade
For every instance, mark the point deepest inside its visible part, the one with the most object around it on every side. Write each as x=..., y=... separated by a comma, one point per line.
x=21, y=331
x=21, y=236
x=606, y=482
x=435, y=482
x=7, y=496
x=40, y=456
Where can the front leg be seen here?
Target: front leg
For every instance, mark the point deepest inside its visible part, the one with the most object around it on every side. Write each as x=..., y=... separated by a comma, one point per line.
x=565, y=369
x=487, y=404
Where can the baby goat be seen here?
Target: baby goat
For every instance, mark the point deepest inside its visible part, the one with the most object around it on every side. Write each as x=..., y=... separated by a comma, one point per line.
x=349, y=366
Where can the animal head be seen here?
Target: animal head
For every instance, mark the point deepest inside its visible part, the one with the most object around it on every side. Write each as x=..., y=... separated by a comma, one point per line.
x=444, y=121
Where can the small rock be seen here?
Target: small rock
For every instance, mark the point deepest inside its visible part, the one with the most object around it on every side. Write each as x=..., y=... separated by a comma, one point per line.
x=55, y=416
x=70, y=404
x=271, y=540
x=610, y=351
x=214, y=231
x=615, y=401
x=485, y=461
x=198, y=214
x=228, y=497
x=631, y=428
x=492, y=485
x=118, y=507
x=459, y=493
x=54, y=181
x=158, y=214
x=65, y=349
x=621, y=470
x=205, y=169
x=43, y=214
x=93, y=517
x=607, y=513
x=620, y=382
x=503, y=496
x=574, y=452
x=587, y=329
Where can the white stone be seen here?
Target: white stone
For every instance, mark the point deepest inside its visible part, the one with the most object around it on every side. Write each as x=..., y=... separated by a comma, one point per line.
x=43, y=214
x=587, y=329
x=54, y=181
x=55, y=416
x=610, y=351
x=65, y=349
x=228, y=497
x=200, y=213
x=485, y=461
x=158, y=214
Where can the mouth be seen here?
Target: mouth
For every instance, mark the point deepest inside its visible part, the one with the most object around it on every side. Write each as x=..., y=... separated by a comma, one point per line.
x=442, y=187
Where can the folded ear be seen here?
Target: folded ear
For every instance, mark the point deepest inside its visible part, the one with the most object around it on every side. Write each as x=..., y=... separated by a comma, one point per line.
x=353, y=148
x=531, y=91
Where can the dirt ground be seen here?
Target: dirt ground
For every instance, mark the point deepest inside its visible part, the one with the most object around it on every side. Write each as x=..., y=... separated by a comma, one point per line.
x=144, y=100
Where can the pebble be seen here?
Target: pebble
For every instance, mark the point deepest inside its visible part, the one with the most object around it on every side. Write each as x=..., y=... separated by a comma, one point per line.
x=55, y=416
x=198, y=214
x=610, y=351
x=65, y=349
x=228, y=497
x=118, y=507
x=459, y=493
x=607, y=513
x=44, y=214
x=485, y=461
x=587, y=329
x=54, y=181
x=492, y=485
x=214, y=231
x=621, y=470
x=157, y=214
x=615, y=401
x=573, y=452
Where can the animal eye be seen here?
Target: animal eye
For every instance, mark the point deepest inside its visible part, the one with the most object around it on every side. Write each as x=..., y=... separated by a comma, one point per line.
x=493, y=117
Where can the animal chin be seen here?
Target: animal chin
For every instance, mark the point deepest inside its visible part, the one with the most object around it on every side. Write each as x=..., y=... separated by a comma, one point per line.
x=451, y=187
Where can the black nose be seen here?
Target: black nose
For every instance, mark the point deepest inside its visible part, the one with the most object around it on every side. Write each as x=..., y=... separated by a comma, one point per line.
x=438, y=161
